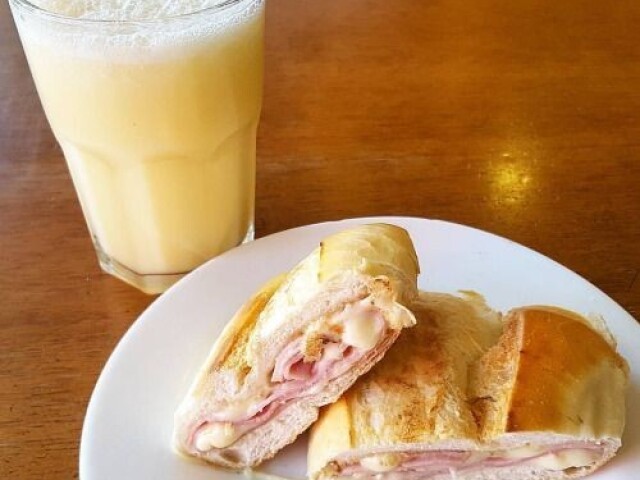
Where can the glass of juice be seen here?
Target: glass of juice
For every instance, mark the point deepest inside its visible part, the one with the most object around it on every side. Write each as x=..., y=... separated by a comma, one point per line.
x=155, y=105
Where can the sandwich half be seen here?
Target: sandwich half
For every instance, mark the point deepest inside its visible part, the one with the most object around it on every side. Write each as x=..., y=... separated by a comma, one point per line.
x=544, y=402
x=298, y=344
x=409, y=417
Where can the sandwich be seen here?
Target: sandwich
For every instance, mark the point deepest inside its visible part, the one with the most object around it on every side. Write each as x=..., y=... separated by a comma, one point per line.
x=466, y=395
x=298, y=344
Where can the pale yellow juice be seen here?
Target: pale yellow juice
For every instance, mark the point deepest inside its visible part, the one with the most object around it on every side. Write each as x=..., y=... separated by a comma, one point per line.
x=158, y=132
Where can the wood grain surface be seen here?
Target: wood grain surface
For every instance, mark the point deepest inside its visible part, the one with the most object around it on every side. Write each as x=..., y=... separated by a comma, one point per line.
x=518, y=117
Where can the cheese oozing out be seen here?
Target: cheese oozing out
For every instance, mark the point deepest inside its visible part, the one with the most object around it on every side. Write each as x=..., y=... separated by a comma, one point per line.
x=361, y=330
x=381, y=463
x=217, y=435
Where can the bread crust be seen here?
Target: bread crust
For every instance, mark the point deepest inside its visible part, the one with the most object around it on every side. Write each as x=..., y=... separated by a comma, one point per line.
x=375, y=249
x=229, y=350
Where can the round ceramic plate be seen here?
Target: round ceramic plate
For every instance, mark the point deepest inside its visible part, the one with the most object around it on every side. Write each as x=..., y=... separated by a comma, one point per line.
x=127, y=430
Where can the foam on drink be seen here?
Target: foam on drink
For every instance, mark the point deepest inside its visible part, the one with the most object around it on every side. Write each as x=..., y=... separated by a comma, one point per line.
x=139, y=27
x=124, y=9
x=157, y=121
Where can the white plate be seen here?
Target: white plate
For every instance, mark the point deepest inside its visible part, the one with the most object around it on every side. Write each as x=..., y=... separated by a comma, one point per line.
x=127, y=430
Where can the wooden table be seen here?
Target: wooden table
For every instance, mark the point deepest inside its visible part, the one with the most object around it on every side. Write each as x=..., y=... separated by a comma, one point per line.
x=517, y=117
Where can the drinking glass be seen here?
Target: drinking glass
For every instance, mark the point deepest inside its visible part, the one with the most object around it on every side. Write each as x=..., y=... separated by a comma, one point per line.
x=156, y=112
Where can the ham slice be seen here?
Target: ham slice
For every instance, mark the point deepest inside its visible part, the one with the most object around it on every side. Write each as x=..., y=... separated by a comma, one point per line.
x=432, y=463
x=294, y=377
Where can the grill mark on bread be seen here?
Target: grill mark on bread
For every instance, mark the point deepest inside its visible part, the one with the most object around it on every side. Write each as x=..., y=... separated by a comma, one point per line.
x=491, y=381
x=235, y=355
x=425, y=399
x=407, y=409
x=234, y=339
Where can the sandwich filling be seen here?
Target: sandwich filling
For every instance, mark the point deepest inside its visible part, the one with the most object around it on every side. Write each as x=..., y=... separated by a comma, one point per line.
x=438, y=462
x=327, y=349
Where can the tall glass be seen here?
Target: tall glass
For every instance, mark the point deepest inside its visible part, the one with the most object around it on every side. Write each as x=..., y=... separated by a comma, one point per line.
x=156, y=113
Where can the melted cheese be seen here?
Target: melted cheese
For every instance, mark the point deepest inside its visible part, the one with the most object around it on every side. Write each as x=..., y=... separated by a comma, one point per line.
x=216, y=435
x=381, y=463
x=521, y=452
x=565, y=459
x=360, y=329
x=575, y=457
x=234, y=411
